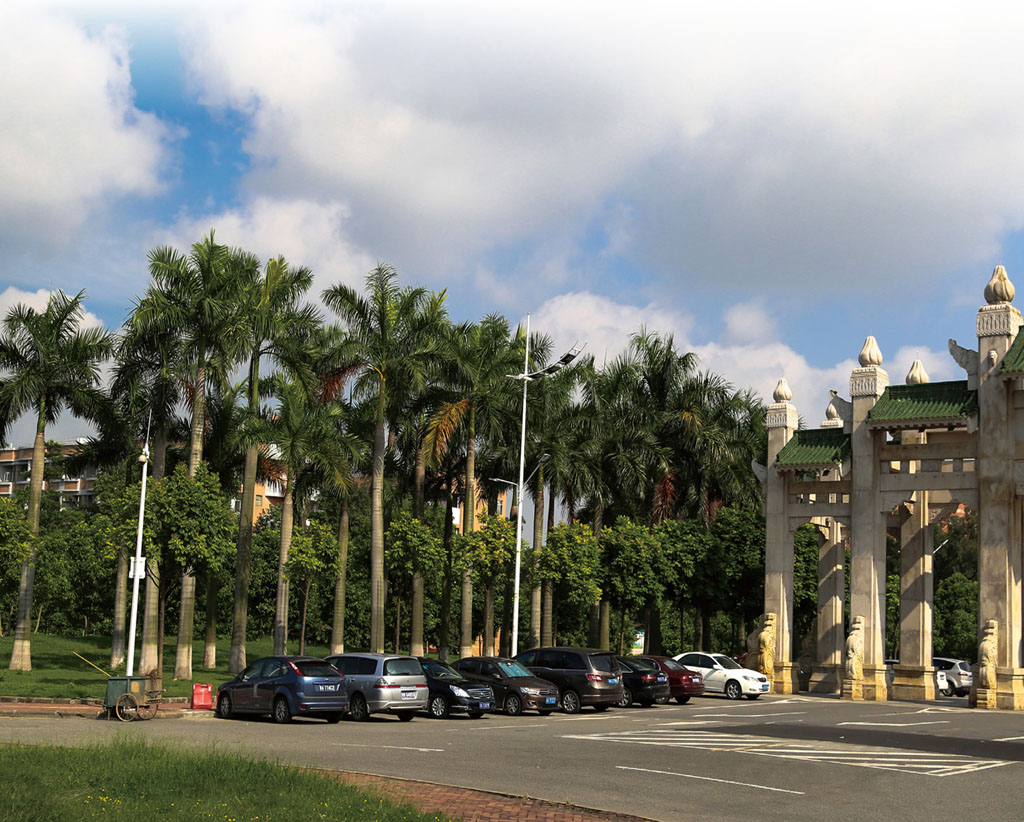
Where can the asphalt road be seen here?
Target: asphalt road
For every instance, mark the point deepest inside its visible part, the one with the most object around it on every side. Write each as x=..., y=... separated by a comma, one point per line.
x=779, y=757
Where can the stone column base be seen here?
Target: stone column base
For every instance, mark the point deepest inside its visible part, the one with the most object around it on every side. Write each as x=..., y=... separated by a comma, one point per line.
x=853, y=689
x=1010, y=689
x=984, y=698
x=913, y=682
x=785, y=679
x=875, y=687
x=826, y=678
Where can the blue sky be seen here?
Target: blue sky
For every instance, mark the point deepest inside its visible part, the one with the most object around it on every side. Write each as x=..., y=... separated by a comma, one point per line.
x=768, y=184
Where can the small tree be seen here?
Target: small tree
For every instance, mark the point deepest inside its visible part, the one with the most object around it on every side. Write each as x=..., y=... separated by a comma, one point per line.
x=410, y=547
x=313, y=555
x=489, y=552
x=634, y=570
x=570, y=563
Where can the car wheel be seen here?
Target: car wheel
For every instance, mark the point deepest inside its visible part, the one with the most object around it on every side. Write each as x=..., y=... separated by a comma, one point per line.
x=545, y=713
x=661, y=700
x=733, y=689
x=963, y=692
x=334, y=718
x=947, y=691
x=753, y=696
x=513, y=705
x=406, y=716
x=682, y=700
x=601, y=708
x=571, y=702
x=224, y=710
x=438, y=707
x=627, y=698
x=282, y=713
x=357, y=707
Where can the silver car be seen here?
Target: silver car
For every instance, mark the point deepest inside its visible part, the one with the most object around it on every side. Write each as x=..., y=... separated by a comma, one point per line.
x=958, y=675
x=382, y=683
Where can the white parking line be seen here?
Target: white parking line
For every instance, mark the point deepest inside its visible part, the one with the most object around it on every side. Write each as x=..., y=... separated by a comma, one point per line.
x=896, y=724
x=748, y=716
x=581, y=718
x=498, y=727
x=1008, y=738
x=393, y=747
x=712, y=779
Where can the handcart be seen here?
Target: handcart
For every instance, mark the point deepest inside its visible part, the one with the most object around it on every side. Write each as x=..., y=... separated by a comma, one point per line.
x=130, y=697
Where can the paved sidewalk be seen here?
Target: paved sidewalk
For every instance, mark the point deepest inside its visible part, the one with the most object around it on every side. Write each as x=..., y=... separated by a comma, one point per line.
x=176, y=708
x=475, y=806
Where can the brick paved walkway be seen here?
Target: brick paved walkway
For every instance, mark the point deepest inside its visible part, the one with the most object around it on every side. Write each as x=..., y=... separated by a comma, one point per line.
x=475, y=806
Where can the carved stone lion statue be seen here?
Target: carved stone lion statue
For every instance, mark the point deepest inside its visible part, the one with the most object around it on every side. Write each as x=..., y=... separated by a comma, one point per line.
x=988, y=652
x=855, y=650
x=766, y=647
x=750, y=660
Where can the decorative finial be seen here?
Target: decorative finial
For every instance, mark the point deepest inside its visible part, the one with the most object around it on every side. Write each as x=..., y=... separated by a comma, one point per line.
x=782, y=392
x=917, y=374
x=870, y=354
x=831, y=413
x=999, y=288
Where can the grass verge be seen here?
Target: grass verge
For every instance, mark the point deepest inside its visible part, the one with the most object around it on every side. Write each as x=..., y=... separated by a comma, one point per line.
x=135, y=780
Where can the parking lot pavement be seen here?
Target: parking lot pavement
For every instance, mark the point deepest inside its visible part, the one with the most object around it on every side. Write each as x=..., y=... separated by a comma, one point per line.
x=793, y=757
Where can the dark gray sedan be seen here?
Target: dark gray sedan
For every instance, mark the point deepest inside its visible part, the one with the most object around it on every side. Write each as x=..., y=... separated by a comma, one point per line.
x=285, y=686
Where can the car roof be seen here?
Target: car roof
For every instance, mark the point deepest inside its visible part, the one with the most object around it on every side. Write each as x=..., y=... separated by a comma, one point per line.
x=572, y=648
x=368, y=655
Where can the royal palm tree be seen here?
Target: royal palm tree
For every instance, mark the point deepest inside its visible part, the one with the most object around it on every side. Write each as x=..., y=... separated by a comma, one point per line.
x=48, y=363
x=479, y=357
x=393, y=334
x=277, y=326
x=303, y=434
x=197, y=297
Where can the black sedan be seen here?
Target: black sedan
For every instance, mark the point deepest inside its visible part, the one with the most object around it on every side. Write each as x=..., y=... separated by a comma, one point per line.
x=285, y=686
x=515, y=688
x=451, y=691
x=642, y=682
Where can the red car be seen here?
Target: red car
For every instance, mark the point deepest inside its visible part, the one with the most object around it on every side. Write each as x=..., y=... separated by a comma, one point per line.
x=682, y=682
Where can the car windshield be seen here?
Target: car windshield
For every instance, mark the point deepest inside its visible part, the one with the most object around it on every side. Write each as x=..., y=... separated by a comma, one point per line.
x=725, y=662
x=641, y=665
x=964, y=667
x=315, y=667
x=671, y=664
x=513, y=669
x=439, y=670
x=403, y=667
x=604, y=662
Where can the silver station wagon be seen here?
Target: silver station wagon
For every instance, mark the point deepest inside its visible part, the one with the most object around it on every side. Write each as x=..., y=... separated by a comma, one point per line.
x=382, y=683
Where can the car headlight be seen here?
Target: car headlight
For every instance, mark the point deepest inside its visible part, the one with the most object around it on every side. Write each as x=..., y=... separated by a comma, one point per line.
x=532, y=691
x=749, y=678
x=459, y=692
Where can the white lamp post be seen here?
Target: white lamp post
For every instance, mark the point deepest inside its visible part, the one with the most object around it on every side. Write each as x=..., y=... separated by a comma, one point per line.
x=526, y=376
x=138, y=569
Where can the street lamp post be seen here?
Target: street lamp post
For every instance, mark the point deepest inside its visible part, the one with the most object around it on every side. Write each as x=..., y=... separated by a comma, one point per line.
x=526, y=377
x=138, y=569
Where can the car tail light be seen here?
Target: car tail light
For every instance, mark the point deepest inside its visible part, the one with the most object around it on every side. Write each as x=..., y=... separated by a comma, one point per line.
x=650, y=677
x=383, y=683
x=294, y=667
x=595, y=677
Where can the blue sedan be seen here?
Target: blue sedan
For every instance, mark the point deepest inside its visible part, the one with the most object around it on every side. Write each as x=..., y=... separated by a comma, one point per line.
x=285, y=686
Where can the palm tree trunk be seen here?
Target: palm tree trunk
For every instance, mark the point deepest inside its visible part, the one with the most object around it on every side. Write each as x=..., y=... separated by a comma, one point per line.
x=281, y=607
x=538, y=539
x=21, y=653
x=186, y=617
x=377, y=540
x=489, y=620
x=653, y=640
x=698, y=629
x=548, y=608
x=398, y=623
x=117, y=644
x=466, y=637
x=444, y=631
x=243, y=563
x=418, y=504
x=338, y=624
x=305, y=607
x=150, y=619
x=594, y=626
x=159, y=452
x=210, y=639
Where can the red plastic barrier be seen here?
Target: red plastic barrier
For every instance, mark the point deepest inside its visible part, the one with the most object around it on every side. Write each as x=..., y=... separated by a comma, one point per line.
x=202, y=697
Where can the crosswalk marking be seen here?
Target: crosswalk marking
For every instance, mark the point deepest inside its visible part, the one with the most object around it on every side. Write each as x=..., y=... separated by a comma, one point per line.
x=889, y=759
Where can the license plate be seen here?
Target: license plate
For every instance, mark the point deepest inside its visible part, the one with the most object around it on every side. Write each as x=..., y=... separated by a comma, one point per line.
x=485, y=705
x=408, y=694
x=661, y=679
x=766, y=686
x=613, y=681
x=551, y=700
x=331, y=688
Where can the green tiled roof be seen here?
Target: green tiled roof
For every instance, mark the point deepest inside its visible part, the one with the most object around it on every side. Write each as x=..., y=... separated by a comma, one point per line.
x=814, y=446
x=927, y=401
x=1013, y=362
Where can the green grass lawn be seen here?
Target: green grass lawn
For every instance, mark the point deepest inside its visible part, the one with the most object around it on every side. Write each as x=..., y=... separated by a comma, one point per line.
x=57, y=672
x=137, y=781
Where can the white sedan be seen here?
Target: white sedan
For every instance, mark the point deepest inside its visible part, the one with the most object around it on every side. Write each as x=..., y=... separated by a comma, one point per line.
x=725, y=676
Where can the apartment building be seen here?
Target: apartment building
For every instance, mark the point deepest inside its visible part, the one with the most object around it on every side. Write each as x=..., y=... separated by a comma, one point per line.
x=16, y=469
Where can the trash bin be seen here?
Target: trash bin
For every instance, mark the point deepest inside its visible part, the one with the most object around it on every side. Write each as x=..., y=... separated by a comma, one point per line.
x=117, y=685
x=202, y=696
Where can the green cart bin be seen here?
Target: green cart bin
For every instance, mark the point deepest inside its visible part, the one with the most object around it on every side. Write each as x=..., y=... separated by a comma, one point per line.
x=118, y=686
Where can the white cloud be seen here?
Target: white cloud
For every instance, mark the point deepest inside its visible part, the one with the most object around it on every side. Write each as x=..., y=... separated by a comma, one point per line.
x=800, y=143
x=305, y=232
x=72, y=137
x=749, y=323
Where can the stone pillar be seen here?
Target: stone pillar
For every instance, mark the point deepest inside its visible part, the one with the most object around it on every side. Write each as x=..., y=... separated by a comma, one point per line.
x=867, y=524
x=999, y=552
x=782, y=421
x=914, y=677
x=827, y=674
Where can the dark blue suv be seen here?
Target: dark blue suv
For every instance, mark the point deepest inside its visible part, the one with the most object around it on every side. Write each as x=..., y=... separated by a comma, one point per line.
x=285, y=686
